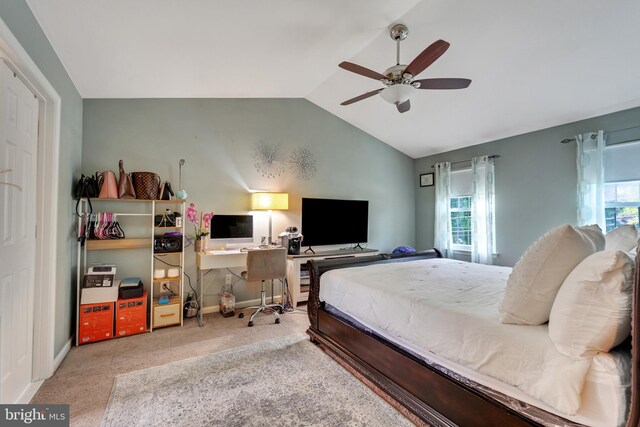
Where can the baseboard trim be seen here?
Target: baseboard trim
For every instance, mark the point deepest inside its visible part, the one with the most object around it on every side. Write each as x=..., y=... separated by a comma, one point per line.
x=29, y=392
x=241, y=304
x=60, y=357
x=34, y=386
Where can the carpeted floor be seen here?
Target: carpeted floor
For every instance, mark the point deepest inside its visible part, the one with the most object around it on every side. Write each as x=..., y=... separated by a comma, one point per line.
x=284, y=381
x=85, y=378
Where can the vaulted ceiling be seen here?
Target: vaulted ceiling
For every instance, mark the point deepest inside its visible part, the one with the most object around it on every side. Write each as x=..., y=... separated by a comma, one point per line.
x=532, y=64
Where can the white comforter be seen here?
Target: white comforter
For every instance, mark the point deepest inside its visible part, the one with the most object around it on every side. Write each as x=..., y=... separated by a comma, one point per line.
x=450, y=308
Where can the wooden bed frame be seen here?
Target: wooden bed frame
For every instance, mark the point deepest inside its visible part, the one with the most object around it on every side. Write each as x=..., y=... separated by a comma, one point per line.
x=435, y=397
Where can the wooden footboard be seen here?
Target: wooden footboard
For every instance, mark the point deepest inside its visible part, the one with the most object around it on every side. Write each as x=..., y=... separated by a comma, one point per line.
x=634, y=413
x=436, y=397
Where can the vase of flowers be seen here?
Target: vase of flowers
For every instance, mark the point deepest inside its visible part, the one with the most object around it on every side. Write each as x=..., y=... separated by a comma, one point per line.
x=200, y=223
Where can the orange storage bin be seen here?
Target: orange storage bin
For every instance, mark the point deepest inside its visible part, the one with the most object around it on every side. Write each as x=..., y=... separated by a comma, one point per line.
x=96, y=322
x=131, y=316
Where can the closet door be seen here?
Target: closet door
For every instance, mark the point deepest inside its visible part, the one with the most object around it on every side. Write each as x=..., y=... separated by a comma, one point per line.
x=18, y=160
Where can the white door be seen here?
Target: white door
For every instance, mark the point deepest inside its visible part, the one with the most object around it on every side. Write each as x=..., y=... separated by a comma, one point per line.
x=18, y=160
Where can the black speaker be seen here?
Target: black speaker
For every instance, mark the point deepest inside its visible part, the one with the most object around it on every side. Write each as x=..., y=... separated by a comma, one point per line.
x=294, y=246
x=164, y=244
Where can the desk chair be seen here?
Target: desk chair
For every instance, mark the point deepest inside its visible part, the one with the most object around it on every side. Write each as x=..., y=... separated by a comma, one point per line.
x=263, y=265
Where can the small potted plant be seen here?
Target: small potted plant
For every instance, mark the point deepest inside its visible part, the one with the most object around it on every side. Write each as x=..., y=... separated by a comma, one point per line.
x=200, y=223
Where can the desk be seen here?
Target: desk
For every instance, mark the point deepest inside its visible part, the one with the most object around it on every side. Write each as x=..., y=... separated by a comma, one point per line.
x=210, y=260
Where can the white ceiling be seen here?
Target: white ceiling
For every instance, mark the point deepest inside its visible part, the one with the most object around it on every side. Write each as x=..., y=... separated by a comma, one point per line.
x=533, y=64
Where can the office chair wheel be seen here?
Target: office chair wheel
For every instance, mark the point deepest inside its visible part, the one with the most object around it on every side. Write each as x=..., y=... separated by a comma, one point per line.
x=250, y=323
x=277, y=321
x=241, y=315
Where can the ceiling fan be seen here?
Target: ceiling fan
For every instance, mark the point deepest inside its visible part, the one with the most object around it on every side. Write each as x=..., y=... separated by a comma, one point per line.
x=399, y=80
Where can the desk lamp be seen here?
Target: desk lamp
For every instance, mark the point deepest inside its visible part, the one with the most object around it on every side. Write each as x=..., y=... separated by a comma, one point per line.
x=269, y=202
x=181, y=194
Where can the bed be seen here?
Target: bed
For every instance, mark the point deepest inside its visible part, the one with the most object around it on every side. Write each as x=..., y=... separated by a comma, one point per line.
x=462, y=388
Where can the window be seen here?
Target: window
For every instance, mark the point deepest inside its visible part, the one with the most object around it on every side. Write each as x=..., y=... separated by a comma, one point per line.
x=460, y=209
x=622, y=204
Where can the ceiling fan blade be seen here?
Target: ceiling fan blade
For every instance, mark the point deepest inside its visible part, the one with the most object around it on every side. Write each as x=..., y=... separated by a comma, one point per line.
x=361, y=97
x=359, y=69
x=442, y=83
x=404, y=107
x=427, y=57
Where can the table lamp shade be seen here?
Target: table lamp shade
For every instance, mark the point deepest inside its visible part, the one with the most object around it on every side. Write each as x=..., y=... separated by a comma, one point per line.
x=269, y=201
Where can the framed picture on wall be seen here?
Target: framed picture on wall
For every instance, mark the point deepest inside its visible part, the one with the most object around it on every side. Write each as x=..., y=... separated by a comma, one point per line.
x=426, y=180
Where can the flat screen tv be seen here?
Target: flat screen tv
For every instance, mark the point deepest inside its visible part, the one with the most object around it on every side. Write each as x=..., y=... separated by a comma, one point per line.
x=231, y=229
x=334, y=222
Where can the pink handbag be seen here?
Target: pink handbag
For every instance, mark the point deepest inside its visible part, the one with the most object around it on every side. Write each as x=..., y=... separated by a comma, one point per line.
x=107, y=184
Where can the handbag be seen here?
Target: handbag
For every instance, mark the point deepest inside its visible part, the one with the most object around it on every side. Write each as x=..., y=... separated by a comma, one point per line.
x=108, y=186
x=125, y=184
x=168, y=219
x=146, y=185
x=87, y=187
x=165, y=191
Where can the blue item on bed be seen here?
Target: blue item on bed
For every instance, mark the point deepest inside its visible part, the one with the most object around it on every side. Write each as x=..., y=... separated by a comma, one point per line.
x=403, y=250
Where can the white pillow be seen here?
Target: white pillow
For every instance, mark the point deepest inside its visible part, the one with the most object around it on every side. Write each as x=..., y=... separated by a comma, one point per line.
x=534, y=281
x=623, y=238
x=592, y=311
x=593, y=232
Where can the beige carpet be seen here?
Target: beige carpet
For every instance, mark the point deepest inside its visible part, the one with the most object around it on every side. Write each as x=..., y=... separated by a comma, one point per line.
x=85, y=378
x=287, y=381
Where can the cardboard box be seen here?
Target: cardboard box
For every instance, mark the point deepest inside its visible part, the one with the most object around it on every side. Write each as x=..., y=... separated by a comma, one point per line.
x=98, y=295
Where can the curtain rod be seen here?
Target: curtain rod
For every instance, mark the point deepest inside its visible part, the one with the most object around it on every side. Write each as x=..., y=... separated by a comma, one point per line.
x=493, y=156
x=593, y=136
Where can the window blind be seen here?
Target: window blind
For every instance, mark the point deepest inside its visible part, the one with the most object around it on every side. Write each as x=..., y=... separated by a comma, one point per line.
x=621, y=162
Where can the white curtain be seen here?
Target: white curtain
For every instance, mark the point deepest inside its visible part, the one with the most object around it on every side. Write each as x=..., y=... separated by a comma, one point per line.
x=590, y=147
x=483, y=211
x=442, y=225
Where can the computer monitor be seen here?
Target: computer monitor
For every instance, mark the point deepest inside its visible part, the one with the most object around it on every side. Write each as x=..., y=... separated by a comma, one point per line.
x=231, y=229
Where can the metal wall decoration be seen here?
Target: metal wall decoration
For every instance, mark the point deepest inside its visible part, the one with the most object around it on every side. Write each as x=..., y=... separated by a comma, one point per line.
x=268, y=160
x=303, y=162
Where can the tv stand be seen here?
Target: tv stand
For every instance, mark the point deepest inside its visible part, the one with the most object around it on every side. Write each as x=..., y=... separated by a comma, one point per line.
x=309, y=249
x=358, y=246
x=298, y=275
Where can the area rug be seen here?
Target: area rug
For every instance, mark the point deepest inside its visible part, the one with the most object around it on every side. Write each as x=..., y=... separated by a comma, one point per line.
x=287, y=381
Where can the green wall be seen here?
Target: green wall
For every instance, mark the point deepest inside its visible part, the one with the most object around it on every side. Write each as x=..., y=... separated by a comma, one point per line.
x=217, y=138
x=535, y=175
x=18, y=17
x=535, y=180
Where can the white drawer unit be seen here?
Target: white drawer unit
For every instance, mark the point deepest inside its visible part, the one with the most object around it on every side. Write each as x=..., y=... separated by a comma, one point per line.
x=166, y=315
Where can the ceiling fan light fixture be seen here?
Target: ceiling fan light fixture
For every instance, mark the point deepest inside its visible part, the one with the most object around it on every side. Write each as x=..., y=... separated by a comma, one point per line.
x=397, y=94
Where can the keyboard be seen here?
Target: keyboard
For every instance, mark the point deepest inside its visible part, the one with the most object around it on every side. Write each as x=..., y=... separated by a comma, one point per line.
x=225, y=252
